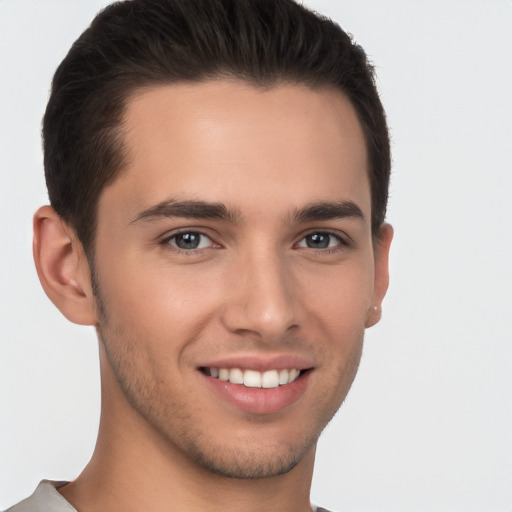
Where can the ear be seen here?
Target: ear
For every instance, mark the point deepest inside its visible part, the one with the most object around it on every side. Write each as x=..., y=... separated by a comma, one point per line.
x=62, y=267
x=381, y=278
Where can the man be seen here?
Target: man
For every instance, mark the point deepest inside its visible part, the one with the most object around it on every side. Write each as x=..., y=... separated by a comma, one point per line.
x=218, y=174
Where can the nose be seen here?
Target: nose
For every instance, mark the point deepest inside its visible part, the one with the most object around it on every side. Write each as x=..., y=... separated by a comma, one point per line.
x=260, y=300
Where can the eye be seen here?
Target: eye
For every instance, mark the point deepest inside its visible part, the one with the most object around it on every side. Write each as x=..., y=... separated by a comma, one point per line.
x=189, y=241
x=320, y=240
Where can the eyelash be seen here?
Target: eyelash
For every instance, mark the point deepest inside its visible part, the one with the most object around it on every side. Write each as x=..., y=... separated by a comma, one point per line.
x=342, y=242
x=166, y=242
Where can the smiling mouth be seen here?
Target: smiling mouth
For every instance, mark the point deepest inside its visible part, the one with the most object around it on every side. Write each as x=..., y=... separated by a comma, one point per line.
x=253, y=378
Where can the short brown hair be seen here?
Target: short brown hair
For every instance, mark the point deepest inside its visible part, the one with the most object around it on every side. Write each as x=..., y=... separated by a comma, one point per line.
x=137, y=43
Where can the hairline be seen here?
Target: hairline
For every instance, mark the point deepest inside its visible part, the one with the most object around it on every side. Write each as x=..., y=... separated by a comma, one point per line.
x=119, y=130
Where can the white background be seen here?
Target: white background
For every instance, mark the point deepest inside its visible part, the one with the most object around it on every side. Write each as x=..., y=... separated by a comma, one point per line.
x=428, y=423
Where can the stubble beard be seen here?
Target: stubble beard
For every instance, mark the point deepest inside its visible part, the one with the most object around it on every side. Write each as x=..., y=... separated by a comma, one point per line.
x=150, y=398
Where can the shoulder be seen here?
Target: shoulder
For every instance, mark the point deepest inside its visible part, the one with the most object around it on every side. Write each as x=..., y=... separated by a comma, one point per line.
x=45, y=498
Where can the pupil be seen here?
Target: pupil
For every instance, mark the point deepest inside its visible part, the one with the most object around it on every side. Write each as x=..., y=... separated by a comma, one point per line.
x=188, y=241
x=318, y=241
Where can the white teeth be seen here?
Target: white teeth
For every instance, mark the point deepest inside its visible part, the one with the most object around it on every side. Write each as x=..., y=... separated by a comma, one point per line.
x=294, y=373
x=270, y=379
x=255, y=379
x=236, y=376
x=283, y=377
x=252, y=379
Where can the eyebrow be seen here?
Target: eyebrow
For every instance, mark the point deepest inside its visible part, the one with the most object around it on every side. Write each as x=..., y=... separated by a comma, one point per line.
x=190, y=209
x=187, y=209
x=325, y=210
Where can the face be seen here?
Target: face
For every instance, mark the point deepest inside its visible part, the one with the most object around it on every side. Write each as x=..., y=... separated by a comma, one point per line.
x=236, y=270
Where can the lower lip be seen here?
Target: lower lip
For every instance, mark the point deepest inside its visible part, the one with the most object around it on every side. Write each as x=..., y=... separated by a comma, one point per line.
x=259, y=400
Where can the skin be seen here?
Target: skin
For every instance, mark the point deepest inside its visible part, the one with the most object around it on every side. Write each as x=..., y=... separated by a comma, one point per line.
x=258, y=286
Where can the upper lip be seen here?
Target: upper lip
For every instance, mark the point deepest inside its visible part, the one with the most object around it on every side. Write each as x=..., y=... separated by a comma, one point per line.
x=260, y=362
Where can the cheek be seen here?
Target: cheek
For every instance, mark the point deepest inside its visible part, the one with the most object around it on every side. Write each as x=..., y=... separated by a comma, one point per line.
x=156, y=302
x=340, y=296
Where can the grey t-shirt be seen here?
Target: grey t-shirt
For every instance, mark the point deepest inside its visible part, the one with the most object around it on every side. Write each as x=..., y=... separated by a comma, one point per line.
x=46, y=498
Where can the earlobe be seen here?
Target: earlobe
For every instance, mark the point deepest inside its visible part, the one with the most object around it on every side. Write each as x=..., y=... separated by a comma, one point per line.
x=62, y=267
x=374, y=315
x=381, y=279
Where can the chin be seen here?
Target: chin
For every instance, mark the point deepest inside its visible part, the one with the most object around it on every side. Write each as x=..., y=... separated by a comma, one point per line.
x=257, y=451
x=244, y=463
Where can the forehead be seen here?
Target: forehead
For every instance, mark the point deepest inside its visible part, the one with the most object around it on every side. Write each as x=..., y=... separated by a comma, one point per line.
x=231, y=142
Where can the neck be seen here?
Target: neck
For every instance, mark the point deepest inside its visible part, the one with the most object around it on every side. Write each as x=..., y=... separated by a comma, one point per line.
x=135, y=468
